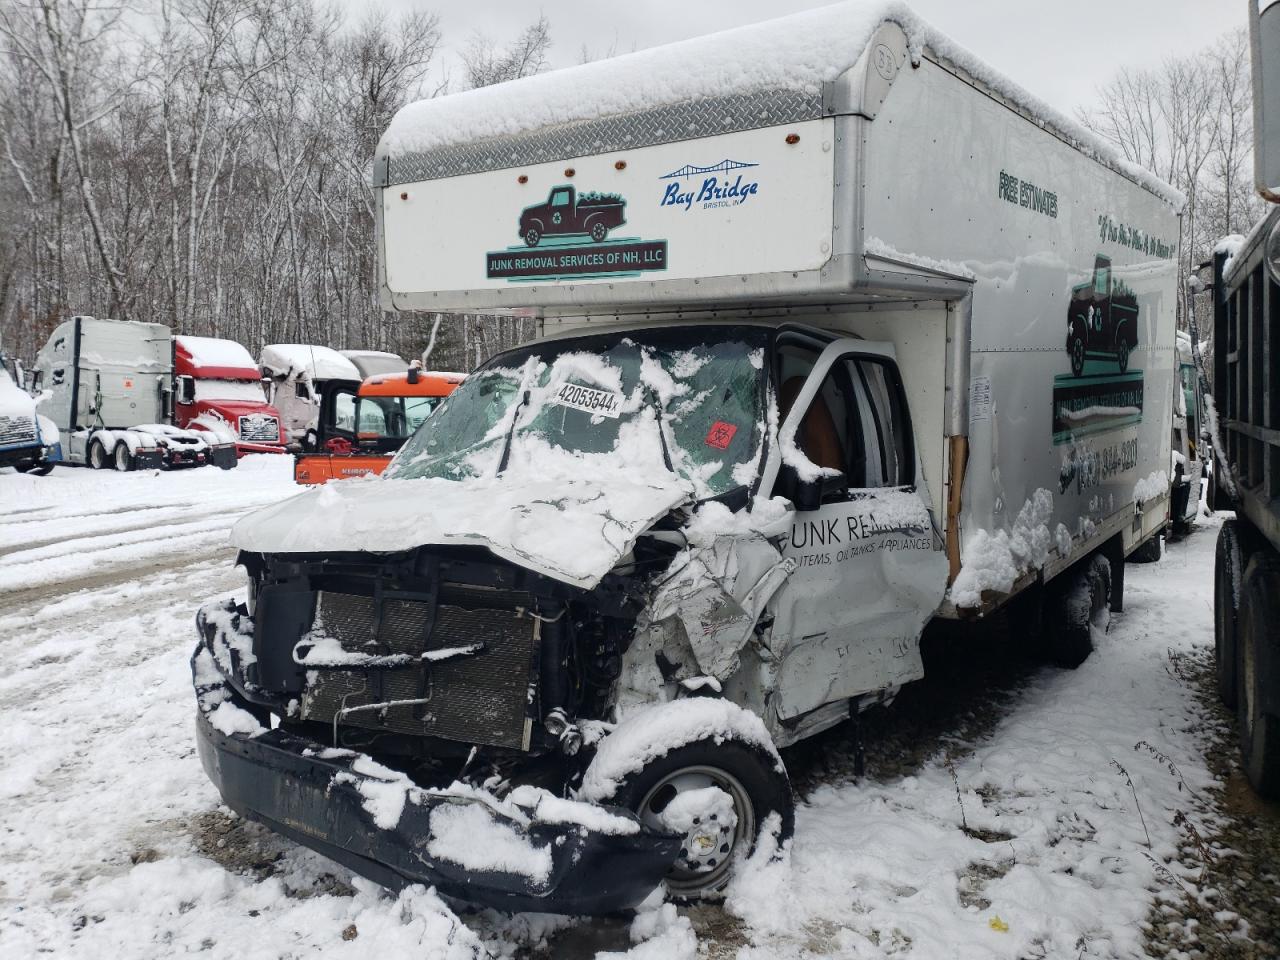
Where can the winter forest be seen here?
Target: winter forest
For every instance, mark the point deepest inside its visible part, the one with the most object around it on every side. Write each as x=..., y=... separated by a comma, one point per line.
x=204, y=163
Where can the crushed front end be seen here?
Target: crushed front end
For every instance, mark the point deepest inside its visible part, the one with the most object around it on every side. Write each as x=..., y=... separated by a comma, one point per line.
x=421, y=718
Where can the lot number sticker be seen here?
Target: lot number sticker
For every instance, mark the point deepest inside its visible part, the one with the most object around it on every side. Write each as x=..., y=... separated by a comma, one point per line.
x=589, y=400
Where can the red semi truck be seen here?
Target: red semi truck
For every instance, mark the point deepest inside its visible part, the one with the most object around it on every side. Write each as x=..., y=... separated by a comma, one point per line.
x=218, y=379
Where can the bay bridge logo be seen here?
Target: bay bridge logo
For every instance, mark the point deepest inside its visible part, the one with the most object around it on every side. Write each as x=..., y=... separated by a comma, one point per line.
x=709, y=187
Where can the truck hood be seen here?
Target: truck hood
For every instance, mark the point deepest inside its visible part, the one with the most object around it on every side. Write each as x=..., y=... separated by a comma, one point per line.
x=574, y=531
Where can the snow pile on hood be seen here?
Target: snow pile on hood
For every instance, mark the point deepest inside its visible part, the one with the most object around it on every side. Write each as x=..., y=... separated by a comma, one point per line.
x=307, y=361
x=994, y=561
x=215, y=352
x=1152, y=485
x=14, y=401
x=574, y=531
x=798, y=52
x=657, y=730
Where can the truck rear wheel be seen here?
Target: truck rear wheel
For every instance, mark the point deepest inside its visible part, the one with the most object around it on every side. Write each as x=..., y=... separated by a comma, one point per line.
x=123, y=458
x=532, y=236
x=598, y=232
x=1076, y=350
x=97, y=455
x=1228, y=568
x=1259, y=674
x=1150, y=551
x=1081, y=604
x=1122, y=354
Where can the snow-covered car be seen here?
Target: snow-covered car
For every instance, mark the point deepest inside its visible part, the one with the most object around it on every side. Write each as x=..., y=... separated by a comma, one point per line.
x=28, y=441
x=816, y=402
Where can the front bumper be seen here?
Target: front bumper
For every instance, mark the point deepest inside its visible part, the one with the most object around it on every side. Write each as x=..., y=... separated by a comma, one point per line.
x=318, y=798
x=250, y=446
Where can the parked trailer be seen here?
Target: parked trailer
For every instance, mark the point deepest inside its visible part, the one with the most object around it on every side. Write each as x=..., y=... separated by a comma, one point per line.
x=108, y=387
x=1244, y=422
x=217, y=382
x=818, y=399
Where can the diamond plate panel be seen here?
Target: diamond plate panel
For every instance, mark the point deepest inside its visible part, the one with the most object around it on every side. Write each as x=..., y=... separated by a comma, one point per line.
x=666, y=124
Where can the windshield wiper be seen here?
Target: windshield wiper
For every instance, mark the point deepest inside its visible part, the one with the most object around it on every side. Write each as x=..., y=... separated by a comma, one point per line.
x=651, y=396
x=515, y=418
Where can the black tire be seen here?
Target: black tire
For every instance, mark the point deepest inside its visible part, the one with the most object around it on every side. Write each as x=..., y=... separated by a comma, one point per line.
x=97, y=455
x=1079, y=603
x=1076, y=349
x=122, y=458
x=1228, y=571
x=532, y=237
x=598, y=232
x=1258, y=700
x=22, y=467
x=1150, y=551
x=1122, y=354
x=42, y=469
x=751, y=778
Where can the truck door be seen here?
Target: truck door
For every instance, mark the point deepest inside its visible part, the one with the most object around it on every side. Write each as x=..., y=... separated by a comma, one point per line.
x=870, y=568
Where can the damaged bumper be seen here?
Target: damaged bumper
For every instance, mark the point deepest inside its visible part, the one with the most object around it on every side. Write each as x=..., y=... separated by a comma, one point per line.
x=463, y=841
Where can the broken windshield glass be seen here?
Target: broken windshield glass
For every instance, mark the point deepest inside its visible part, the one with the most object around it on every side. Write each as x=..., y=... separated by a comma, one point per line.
x=645, y=403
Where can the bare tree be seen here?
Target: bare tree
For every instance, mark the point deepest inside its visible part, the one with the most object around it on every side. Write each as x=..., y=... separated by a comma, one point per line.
x=484, y=65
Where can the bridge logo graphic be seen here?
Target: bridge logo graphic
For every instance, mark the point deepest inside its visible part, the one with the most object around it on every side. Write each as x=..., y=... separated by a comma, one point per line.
x=689, y=170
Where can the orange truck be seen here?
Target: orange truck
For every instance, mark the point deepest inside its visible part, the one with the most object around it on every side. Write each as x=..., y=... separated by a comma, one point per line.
x=361, y=428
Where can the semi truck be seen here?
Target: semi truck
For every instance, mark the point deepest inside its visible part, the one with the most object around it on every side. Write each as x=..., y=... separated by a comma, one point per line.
x=216, y=380
x=108, y=387
x=29, y=442
x=296, y=375
x=359, y=431
x=756, y=451
x=371, y=363
x=1243, y=419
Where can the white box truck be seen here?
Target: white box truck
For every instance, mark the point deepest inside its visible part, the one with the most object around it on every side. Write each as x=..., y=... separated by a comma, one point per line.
x=841, y=335
x=108, y=387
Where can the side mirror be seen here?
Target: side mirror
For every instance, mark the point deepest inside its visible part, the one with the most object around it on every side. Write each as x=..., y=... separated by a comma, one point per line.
x=811, y=494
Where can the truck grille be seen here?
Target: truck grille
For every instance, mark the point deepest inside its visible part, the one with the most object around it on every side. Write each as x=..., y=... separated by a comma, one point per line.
x=260, y=428
x=17, y=430
x=479, y=699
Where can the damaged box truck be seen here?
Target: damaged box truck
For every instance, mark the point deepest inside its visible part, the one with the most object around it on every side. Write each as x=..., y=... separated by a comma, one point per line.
x=876, y=342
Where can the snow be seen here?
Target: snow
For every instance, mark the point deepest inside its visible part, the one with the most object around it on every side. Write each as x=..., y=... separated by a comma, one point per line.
x=798, y=52
x=546, y=807
x=227, y=718
x=574, y=530
x=876, y=247
x=215, y=352
x=1153, y=485
x=1232, y=244
x=1222, y=467
x=655, y=731
x=692, y=807
x=469, y=835
x=994, y=561
x=307, y=362
x=14, y=401
x=106, y=814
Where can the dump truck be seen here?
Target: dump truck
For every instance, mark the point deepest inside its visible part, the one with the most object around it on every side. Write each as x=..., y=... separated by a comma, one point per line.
x=548, y=658
x=216, y=380
x=359, y=432
x=1242, y=419
x=108, y=387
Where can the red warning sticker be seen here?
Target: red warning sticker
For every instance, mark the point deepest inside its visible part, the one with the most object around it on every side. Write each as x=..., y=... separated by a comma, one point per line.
x=720, y=435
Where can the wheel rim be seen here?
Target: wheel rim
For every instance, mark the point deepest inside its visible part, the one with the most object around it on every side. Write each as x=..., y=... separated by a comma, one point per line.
x=704, y=863
x=1122, y=356
x=97, y=456
x=1077, y=354
x=597, y=232
x=531, y=237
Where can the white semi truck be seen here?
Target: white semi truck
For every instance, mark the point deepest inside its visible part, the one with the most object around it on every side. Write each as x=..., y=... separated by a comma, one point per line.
x=108, y=387
x=873, y=343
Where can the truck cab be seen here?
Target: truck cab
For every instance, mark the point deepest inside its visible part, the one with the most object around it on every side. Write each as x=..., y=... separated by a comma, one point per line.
x=217, y=380
x=297, y=376
x=29, y=442
x=359, y=430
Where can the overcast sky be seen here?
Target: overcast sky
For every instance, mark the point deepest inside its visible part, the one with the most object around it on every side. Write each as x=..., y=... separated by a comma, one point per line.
x=1060, y=50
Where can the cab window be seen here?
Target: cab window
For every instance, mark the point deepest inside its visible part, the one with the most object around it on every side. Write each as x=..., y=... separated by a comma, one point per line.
x=560, y=198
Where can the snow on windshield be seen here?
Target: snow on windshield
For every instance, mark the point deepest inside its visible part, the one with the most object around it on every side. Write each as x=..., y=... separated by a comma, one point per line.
x=677, y=403
x=244, y=390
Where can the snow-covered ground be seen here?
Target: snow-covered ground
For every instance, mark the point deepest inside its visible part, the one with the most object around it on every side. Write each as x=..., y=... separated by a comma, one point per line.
x=1046, y=837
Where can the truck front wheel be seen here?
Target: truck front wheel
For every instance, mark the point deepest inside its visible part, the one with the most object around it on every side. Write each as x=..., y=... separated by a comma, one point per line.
x=1228, y=566
x=1259, y=674
x=97, y=455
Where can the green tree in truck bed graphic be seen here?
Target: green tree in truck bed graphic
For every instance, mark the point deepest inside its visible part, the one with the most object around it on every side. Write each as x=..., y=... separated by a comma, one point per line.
x=1102, y=319
x=567, y=213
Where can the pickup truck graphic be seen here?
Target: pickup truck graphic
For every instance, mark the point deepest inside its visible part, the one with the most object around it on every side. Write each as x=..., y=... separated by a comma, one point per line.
x=1102, y=319
x=567, y=213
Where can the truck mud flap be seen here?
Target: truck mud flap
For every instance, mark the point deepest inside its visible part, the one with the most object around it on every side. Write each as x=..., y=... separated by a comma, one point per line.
x=223, y=457
x=327, y=799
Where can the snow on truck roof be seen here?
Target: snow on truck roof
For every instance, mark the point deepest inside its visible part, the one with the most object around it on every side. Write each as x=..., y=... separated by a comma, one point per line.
x=796, y=53
x=213, y=352
x=309, y=361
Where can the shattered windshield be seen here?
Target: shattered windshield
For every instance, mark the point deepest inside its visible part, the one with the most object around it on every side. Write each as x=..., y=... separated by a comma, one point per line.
x=684, y=402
